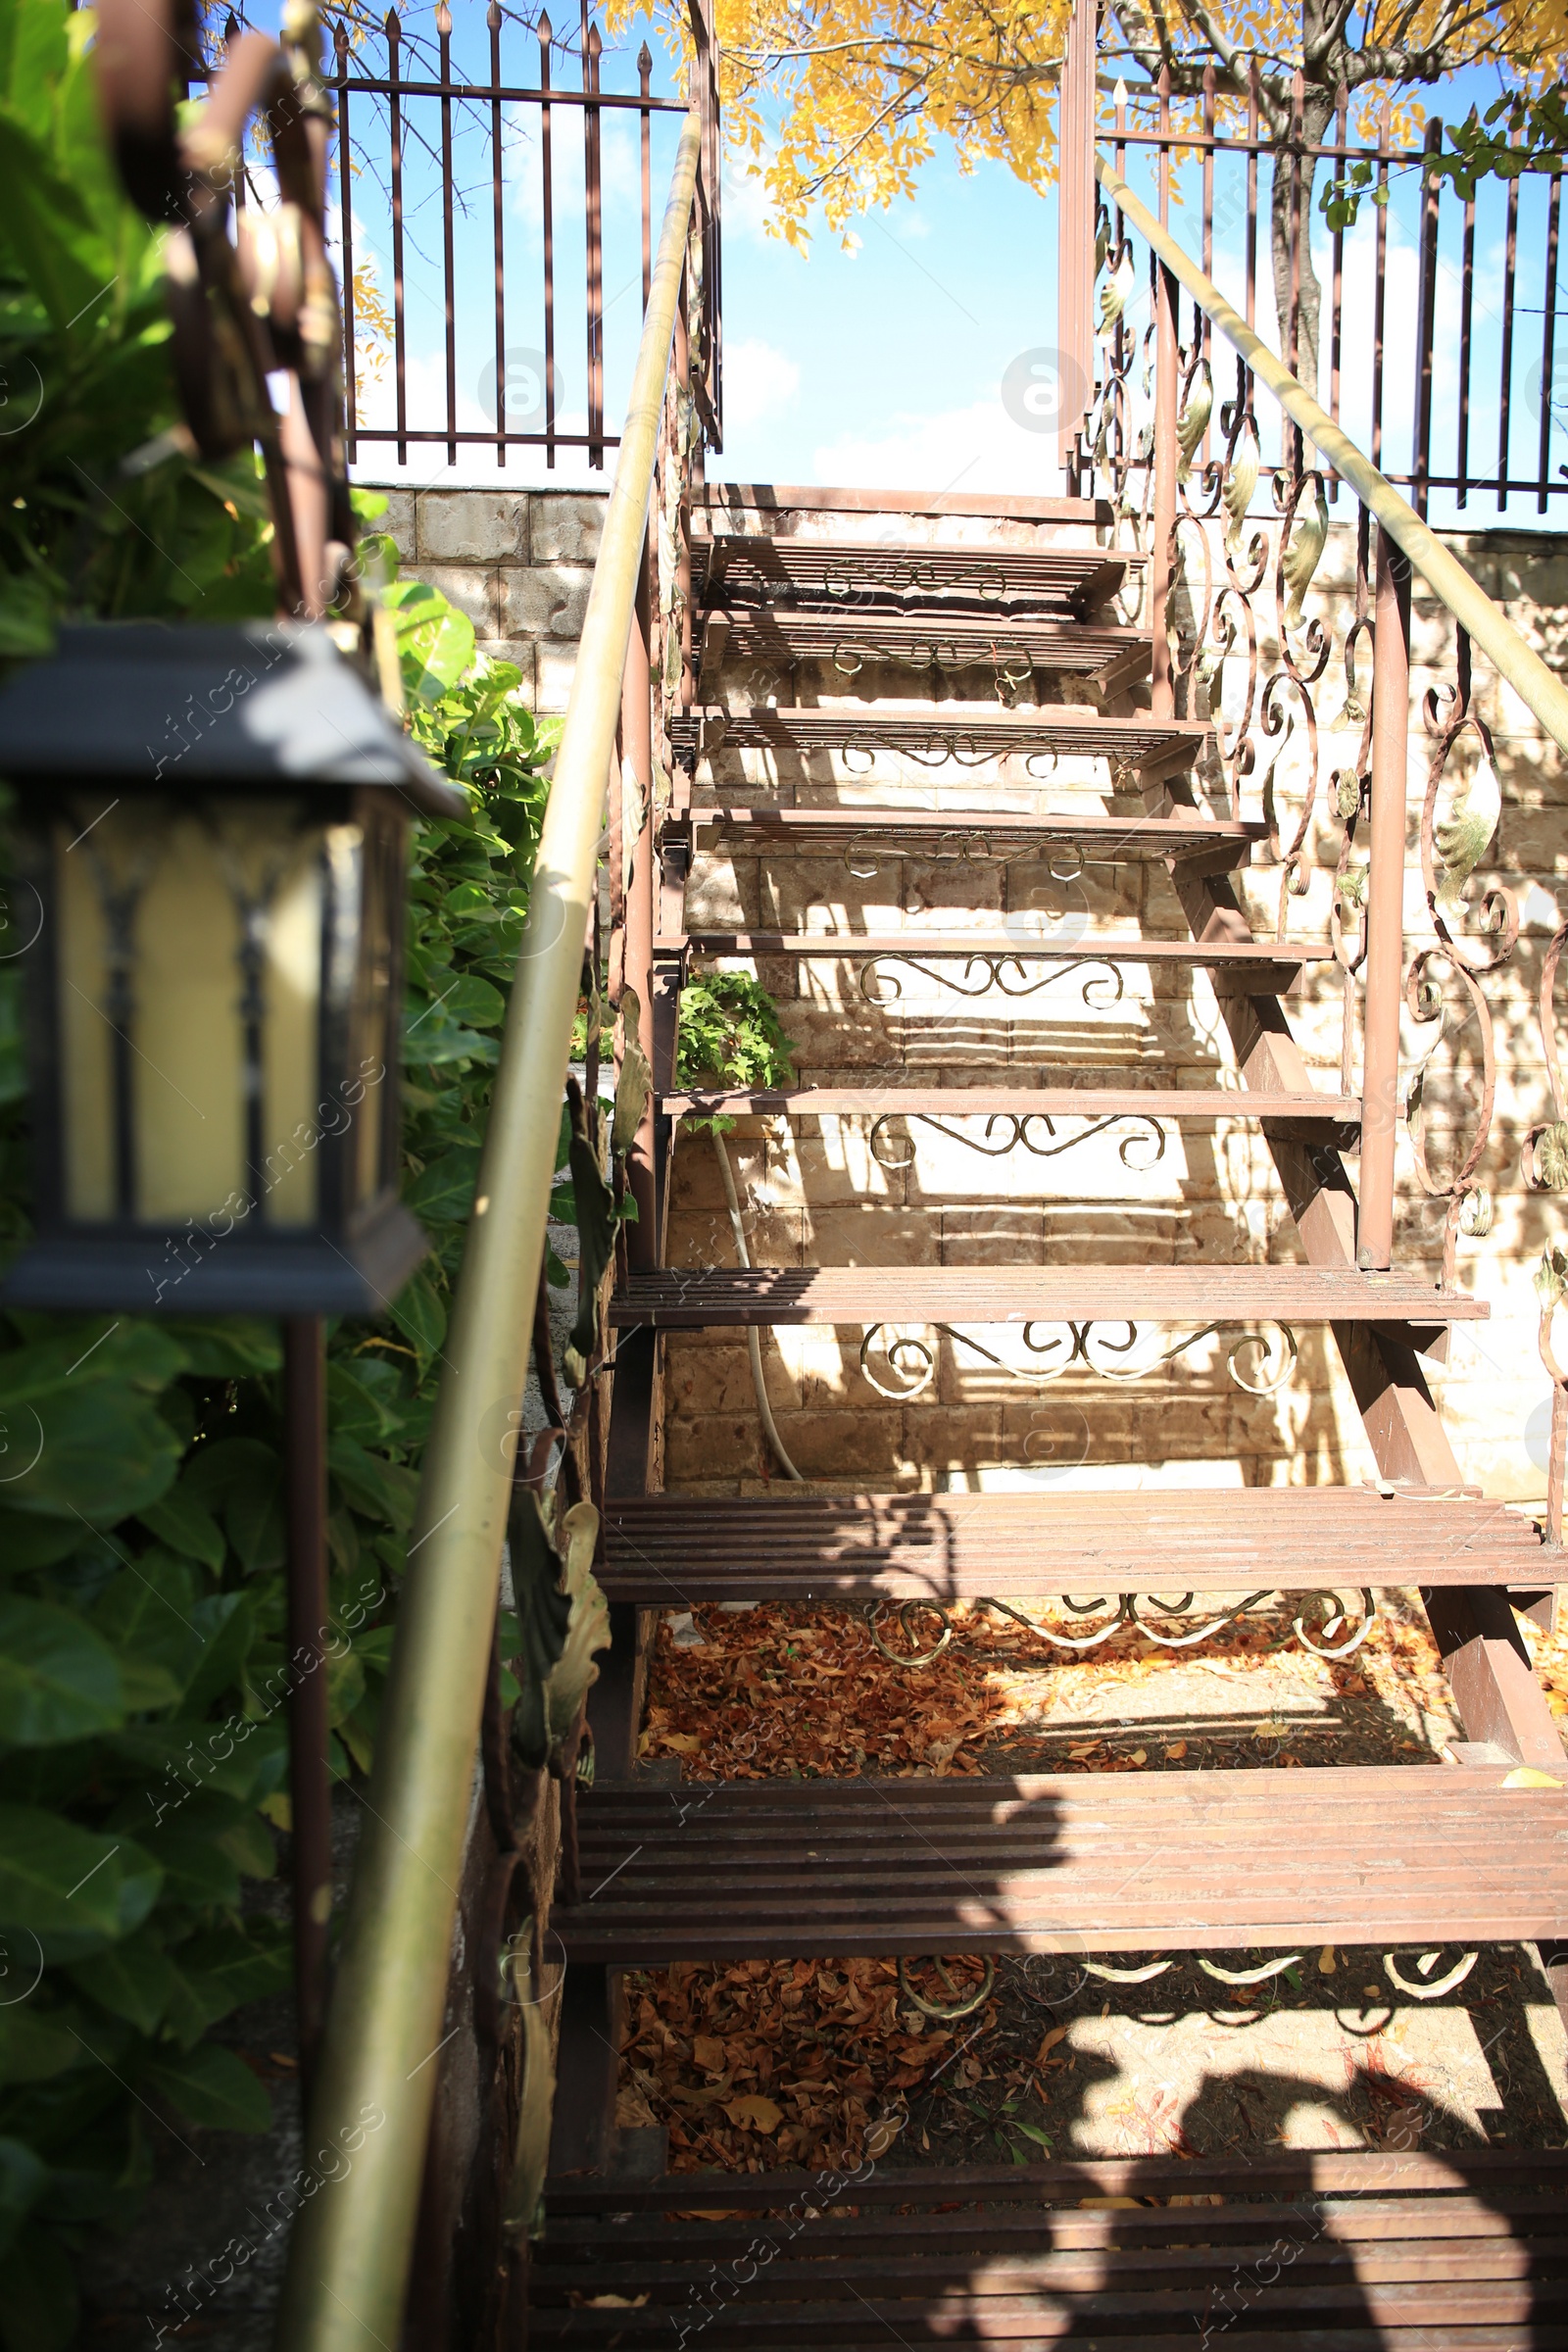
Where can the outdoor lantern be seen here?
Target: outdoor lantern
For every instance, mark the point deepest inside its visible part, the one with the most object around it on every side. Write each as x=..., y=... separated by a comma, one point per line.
x=211, y=853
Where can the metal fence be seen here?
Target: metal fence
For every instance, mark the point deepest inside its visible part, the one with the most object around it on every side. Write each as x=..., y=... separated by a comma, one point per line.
x=1435, y=343
x=447, y=177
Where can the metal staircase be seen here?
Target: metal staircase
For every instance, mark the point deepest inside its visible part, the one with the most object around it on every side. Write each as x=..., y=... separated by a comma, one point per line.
x=792, y=626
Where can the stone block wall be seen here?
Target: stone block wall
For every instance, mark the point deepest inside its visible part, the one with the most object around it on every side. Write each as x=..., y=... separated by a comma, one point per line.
x=517, y=562
x=937, y=1411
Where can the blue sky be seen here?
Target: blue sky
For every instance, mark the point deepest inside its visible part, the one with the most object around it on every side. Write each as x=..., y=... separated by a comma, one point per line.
x=881, y=365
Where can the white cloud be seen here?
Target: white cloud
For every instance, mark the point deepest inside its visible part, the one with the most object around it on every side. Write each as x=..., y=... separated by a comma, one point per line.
x=759, y=381
x=976, y=449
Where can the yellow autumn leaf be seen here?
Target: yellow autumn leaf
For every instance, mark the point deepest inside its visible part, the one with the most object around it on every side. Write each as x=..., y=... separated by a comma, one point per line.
x=1525, y=1776
x=685, y=1743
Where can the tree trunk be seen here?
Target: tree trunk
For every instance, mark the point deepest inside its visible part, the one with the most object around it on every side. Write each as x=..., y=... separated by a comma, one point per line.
x=1290, y=205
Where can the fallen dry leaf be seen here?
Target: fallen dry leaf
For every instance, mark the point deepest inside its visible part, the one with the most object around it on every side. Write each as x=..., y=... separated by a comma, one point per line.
x=761, y=2114
x=1048, y=2042
x=709, y=2051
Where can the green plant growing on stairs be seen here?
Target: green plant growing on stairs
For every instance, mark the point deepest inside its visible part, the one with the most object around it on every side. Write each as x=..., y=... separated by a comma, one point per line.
x=730, y=1033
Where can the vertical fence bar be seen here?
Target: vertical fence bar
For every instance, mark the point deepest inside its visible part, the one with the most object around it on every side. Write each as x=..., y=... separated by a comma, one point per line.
x=394, y=33
x=308, y=1723
x=1163, y=86
x=443, y=27
x=1548, y=348
x=1467, y=307
x=350, y=380
x=1162, y=685
x=1252, y=195
x=1385, y=917
x=1341, y=108
x=1379, y=279
x=593, y=227
x=548, y=194
x=1075, y=231
x=498, y=228
x=644, y=68
x=1426, y=324
x=1510, y=265
x=1292, y=337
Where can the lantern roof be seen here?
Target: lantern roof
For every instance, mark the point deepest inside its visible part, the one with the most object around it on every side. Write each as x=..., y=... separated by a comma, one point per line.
x=256, y=705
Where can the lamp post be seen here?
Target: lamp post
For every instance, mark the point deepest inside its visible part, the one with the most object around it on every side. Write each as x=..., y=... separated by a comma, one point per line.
x=212, y=827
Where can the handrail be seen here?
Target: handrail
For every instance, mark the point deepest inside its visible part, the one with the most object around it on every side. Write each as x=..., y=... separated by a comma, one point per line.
x=349, y=2261
x=1535, y=684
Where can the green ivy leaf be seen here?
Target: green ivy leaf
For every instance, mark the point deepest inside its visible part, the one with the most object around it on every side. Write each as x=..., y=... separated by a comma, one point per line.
x=58, y=1681
x=419, y=1313
x=103, y=1451
x=442, y=1193
x=242, y=1479
x=382, y=1490
x=435, y=641
x=134, y=1980
x=36, y=2044
x=69, y=1886
x=211, y=2087
x=178, y=1520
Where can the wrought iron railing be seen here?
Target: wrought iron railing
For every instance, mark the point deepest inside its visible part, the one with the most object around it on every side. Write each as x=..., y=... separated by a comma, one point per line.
x=351, y=2255
x=1224, y=591
x=1243, y=201
x=443, y=255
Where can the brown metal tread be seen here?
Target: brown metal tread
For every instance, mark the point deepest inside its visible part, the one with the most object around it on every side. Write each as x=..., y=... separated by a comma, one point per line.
x=675, y=1551
x=1016, y=642
x=1257, y=955
x=1182, y=1104
x=975, y=835
x=736, y=566
x=1353, y=2252
x=966, y=734
x=812, y=498
x=1168, y=1861
x=692, y=1298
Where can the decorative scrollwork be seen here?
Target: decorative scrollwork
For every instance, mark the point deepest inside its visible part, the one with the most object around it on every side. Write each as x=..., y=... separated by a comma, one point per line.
x=969, y=845
x=1012, y=665
x=1007, y=975
x=1469, y=1209
x=1457, y=843
x=1544, y=1161
x=1345, y=1630
x=913, y=1361
x=1139, y=1151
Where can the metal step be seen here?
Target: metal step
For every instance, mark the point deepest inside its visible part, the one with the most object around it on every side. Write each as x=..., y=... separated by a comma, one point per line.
x=1015, y=645
x=1193, y=1105
x=968, y=734
x=977, y=837
x=1270, y=966
x=1078, y=1862
x=1354, y=2252
x=676, y=1549
x=733, y=568
x=698, y=1298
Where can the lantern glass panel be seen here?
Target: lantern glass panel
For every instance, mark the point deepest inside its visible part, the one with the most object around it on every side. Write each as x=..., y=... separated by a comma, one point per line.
x=188, y=974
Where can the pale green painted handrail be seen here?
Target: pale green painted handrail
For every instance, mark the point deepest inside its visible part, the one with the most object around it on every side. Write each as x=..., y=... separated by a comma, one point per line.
x=348, y=2262
x=1489, y=625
